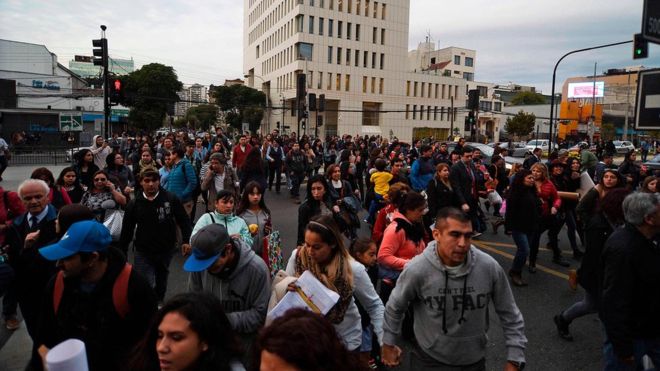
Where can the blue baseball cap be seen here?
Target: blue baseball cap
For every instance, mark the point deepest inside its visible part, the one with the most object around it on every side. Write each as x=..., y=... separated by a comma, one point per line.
x=207, y=245
x=83, y=236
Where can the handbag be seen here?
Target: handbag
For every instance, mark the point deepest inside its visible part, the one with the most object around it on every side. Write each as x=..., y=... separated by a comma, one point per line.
x=113, y=221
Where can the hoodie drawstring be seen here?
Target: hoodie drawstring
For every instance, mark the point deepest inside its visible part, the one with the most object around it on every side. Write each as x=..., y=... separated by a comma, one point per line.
x=444, y=311
x=462, y=319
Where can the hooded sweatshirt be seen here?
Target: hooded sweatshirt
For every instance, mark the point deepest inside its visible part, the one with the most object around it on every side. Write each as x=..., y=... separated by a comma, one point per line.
x=100, y=153
x=458, y=335
x=233, y=223
x=244, y=292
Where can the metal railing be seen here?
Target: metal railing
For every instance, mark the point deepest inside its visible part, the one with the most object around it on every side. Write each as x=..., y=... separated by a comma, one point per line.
x=40, y=155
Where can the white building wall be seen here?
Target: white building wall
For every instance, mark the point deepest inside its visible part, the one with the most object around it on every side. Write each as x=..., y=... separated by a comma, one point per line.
x=270, y=27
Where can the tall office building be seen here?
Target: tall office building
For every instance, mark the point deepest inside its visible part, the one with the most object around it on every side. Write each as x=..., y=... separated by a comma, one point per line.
x=356, y=53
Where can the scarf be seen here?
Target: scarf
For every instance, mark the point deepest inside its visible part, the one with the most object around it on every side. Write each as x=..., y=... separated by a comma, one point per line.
x=337, y=276
x=414, y=232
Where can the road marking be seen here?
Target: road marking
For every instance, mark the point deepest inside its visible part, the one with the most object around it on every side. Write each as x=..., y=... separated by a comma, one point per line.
x=509, y=256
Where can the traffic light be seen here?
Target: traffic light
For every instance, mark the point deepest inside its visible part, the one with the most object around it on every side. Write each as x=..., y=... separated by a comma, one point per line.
x=470, y=121
x=319, y=121
x=640, y=47
x=473, y=100
x=100, y=52
x=321, y=102
x=301, y=93
x=116, y=91
x=312, y=101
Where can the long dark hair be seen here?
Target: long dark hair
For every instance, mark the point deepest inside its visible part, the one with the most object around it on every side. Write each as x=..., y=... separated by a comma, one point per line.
x=207, y=319
x=244, y=202
x=317, y=179
x=60, y=179
x=308, y=342
x=253, y=163
x=79, y=157
x=518, y=186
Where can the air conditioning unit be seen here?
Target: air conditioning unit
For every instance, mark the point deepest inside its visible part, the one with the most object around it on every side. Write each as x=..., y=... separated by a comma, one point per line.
x=80, y=108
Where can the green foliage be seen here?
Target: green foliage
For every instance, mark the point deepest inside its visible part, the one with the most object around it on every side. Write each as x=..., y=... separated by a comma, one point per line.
x=241, y=104
x=202, y=116
x=148, y=91
x=521, y=124
x=525, y=98
x=180, y=122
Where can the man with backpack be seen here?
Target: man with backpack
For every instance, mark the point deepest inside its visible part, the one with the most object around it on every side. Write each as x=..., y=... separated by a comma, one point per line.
x=156, y=213
x=96, y=297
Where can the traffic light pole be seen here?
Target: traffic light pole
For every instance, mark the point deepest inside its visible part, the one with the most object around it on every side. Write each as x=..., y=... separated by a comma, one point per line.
x=554, y=76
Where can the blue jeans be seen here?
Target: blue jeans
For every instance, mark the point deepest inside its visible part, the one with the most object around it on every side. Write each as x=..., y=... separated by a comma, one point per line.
x=155, y=269
x=522, y=240
x=641, y=347
x=375, y=206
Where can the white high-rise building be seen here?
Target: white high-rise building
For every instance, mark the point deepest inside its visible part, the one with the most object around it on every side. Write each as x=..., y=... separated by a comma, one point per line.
x=355, y=52
x=191, y=96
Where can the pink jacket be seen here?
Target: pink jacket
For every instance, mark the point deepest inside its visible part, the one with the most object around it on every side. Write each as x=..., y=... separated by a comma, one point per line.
x=396, y=250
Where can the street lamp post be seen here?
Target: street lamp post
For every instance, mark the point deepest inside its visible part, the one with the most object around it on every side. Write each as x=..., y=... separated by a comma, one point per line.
x=266, y=95
x=554, y=75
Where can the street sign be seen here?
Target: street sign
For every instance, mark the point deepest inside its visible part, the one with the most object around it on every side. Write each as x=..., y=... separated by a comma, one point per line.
x=651, y=21
x=71, y=122
x=647, y=106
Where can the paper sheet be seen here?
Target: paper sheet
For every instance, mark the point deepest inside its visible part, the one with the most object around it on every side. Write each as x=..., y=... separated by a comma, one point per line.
x=316, y=292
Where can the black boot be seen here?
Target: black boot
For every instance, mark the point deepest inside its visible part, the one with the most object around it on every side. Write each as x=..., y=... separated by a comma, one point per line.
x=560, y=261
x=562, y=328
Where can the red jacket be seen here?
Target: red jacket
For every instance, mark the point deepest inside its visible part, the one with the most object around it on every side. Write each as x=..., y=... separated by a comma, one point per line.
x=382, y=221
x=238, y=156
x=15, y=207
x=549, y=198
x=396, y=250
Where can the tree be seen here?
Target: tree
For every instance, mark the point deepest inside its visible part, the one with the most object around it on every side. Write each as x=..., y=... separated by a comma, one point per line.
x=202, y=116
x=148, y=91
x=521, y=124
x=525, y=98
x=241, y=104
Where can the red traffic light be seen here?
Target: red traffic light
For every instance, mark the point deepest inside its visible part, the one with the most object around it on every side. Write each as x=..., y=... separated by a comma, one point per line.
x=117, y=85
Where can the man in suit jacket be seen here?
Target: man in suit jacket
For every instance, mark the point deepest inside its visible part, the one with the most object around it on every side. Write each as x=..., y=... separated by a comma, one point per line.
x=534, y=158
x=463, y=178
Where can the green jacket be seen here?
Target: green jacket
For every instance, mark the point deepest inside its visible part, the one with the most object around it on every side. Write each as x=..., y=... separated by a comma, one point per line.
x=233, y=223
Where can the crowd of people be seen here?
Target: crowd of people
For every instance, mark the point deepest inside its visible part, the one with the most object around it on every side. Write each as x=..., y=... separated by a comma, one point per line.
x=87, y=255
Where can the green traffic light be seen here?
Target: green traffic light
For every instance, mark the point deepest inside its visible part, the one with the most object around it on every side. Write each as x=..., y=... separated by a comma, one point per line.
x=638, y=51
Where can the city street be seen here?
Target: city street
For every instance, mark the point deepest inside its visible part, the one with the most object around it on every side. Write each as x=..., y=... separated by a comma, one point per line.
x=547, y=294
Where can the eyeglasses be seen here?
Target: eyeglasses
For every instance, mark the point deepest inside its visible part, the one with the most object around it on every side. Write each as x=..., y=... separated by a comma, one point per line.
x=100, y=179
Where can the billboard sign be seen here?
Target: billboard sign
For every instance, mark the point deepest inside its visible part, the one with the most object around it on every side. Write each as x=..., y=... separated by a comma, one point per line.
x=651, y=21
x=586, y=89
x=647, y=109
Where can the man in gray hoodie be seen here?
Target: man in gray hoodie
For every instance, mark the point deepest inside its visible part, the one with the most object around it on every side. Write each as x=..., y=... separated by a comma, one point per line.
x=228, y=268
x=450, y=286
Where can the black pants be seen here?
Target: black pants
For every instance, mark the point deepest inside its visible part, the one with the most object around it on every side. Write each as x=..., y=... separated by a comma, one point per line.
x=275, y=173
x=550, y=224
x=3, y=164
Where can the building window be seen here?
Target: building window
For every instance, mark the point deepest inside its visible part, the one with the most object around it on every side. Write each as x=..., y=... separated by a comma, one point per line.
x=257, y=51
x=457, y=60
x=428, y=113
x=349, y=6
x=485, y=105
x=498, y=106
x=357, y=7
x=329, y=87
x=415, y=89
x=469, y=61
x=357, y=58
x=442, y=113
x=331, y=5
x=338, y=80
x=320, y=83
x=414, y=112
x=311, y=2
x=299, y=23
x=382, y=61
x=382, y=11
x=408, y=88
x=338, y=55
x=357, y=31
x=311, y=24
x=407, y=111
x=374, y=35
x=421, y=92
x=483, y=91
x=330, y=24
x=304, y=51
x=371, y=113
x=321, y=26
x=365, y=58
x=364, y=83
x=321, y=3
x=382, y=36
x=366, y=8
x=421, y=112
x=373, y=85
x=340, y=25
x=435, y=113
x=340, y=5
x=469, y=76
x=347, y=83
x=381, y=86
x=348, y=30
x=348, y=57
x=329, y=54
x=373, y=60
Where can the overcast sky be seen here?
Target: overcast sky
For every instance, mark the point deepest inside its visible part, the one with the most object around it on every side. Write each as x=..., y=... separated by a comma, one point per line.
x=516, y=40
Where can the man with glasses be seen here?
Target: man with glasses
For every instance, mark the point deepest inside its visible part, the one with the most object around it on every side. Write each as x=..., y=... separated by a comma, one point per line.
x=228, y=268
x=450, y=286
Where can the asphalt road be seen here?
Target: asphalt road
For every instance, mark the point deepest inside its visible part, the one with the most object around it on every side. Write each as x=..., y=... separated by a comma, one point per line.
x=547, y=294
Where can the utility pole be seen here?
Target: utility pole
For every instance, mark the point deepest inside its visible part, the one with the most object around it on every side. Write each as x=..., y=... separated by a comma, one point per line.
x=451, y=128
x=592, y=120
x=100, y=56
x=625, y=124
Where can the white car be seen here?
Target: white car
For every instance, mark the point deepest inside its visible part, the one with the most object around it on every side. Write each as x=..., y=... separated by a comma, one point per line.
x=623, y=146
x=544, y=144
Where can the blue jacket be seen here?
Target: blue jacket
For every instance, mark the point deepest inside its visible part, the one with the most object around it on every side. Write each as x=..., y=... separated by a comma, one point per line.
x=421, y=173
x=182, y=180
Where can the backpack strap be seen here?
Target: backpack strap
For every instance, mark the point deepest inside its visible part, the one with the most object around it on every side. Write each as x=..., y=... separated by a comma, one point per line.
x=58, y=290
x=212, y=218
x=120, y=291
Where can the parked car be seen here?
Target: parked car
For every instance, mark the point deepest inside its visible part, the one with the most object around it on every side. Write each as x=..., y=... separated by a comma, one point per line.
x=519, y=150
x=623, y=146
x=544, y=144
x=486, y=153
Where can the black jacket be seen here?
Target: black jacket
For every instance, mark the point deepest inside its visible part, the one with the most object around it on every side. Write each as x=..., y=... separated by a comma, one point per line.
x=523, y=211
x=156, y=223
x=630, y=300
x=306, y=211
x=439, y=196
x=92, y=318
x=462, y=183
x=529, y=161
